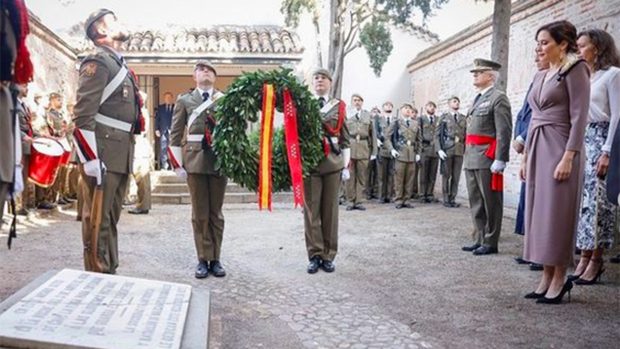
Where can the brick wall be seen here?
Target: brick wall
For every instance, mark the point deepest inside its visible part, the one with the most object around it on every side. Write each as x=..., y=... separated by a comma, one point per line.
x=443, y=70
x=54, y=62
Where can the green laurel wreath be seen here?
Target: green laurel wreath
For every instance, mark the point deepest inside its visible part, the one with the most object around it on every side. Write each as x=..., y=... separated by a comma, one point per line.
x=238, y=153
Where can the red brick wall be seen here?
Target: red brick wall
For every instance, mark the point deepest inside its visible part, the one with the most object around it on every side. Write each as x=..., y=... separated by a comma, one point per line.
x=443, y=71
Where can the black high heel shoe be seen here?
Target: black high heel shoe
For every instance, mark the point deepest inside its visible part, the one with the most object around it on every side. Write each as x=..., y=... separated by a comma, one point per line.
x=568, y=285
x=596, y=278
x=534, y=295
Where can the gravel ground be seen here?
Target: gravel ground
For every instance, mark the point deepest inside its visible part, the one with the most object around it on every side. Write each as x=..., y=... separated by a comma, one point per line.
x=401, y=280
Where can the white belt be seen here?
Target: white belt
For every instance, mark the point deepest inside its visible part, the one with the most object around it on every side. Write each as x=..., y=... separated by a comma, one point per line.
x=114, y=123
x=333, y=139
x=195, y=138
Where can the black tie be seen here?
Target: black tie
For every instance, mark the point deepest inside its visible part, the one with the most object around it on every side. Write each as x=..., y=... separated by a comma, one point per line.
x=321, y=102
x=431, y=120
x=169, y=108
x=388, y=120
x=477, y=98
x=205, y=96
x=357, y=116
x=456, y=118
x=407, y=122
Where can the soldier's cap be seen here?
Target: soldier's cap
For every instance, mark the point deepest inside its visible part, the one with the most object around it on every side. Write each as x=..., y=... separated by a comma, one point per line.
x=481, y=64
x=324, y=72
x=407, y=105
x=205, y=63
x=358, y=96
x=54, y=95
x=94, y=17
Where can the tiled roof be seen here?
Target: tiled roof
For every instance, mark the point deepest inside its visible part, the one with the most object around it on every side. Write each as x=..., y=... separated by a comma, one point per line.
x=271, y=40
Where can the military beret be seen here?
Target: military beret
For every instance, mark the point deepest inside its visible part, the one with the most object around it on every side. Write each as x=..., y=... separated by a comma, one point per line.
x=324, y=72
x=205, y=63
x=54, y=95
x=358, y=96
x=485, y=65
x=94, y=17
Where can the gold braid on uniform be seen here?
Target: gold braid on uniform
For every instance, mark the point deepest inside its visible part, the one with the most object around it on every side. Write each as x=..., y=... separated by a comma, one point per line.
x=237, y=152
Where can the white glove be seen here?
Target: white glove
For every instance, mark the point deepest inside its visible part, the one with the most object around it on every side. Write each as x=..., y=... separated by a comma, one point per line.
x=395, y=154
x=442, y=154
x=379, y=143
x=180, y=172
x=346, y=174
x=417, y=157
x=18, y=185
x=498, y=166
x=94, y=168
x=373, y=157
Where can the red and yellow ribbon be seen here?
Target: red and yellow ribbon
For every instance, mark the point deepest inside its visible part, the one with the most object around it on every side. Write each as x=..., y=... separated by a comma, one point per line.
x=266, y=149
x=292, y=148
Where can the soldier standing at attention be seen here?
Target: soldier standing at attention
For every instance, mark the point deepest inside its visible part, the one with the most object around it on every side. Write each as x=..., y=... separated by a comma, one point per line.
x=403, y=142
x=107, y=115
x=363, y=148
x=372, y=180
x=451, y=141
x=489, y=132
x=430, y=161
x=385, y=163
x=193, y=120
x=321, y=186
x=415, y=193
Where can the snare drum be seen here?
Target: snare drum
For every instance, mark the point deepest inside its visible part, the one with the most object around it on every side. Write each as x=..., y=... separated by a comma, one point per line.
x=45, y=159
x=66, y=156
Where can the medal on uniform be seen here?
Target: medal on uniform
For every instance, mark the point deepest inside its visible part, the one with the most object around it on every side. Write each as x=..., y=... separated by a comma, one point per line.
x=456, y=139
x=357, y=138
x=408, y=143
x=125, y=91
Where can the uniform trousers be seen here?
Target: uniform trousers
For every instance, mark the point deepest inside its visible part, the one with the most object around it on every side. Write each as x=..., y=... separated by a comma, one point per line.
x=428, y=175
x=114, y=188
x=372, y=180
x=207, y=195
x=321, y=215
x=356, y=184
x=403, y=180
x=452, y=167
x=486, y=207
x=415, y=191
x=386, y=178
x=4, y=190
x=143, y=182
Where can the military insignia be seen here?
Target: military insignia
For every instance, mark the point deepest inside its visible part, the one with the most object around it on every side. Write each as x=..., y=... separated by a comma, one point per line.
x=357, y=138
x=484, y=104
x=456, y=139
x=125, y=91
x=89, y=69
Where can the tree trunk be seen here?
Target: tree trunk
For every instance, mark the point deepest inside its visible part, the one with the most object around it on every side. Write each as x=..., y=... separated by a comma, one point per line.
x=317, y=28
x=336, y=45
x=501, y=39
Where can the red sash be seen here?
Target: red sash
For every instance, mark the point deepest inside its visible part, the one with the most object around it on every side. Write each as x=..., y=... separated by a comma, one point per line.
x=497, y=179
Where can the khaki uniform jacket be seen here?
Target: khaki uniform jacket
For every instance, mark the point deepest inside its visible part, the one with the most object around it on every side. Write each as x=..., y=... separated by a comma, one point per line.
x=382, y=135
x=114, y=147
x=451, y=134
x=195, y=159
x=24, y=126
x=363, y=141
x=490, y=116
x=429, y=144
x=408, y=140
x=7, y=140
x=333, y=162
x=55, y=123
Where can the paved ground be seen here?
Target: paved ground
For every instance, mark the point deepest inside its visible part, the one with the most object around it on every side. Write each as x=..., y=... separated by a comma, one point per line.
x=401, y=280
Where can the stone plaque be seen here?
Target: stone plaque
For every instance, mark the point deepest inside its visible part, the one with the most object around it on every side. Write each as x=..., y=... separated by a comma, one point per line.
x=77, y=309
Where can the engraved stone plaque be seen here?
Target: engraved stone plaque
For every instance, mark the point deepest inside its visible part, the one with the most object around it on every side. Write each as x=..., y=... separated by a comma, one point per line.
x=77, y=309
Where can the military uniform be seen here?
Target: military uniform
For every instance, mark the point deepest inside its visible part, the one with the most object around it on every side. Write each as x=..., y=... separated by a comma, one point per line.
x=385, y=161
x=404, y=136
x=363, y=145
x=430, y=161
x=106, y=118
x=189, y=149
x=372, y=178
x=451, y=139
x=489, y=118
x=321, y=187
x=25, y=124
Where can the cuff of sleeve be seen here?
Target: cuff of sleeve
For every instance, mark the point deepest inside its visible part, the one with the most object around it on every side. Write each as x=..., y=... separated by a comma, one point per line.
x=606, y=149
x=175, y=156
x=85, y=145
x=520, y=140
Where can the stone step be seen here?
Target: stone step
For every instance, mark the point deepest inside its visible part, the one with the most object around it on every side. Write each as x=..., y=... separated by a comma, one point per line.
x=182, y=188
x=230, y=198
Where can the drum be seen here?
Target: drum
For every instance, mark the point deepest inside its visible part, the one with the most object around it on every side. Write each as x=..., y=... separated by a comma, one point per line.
x=45, y=158
x=66, y=156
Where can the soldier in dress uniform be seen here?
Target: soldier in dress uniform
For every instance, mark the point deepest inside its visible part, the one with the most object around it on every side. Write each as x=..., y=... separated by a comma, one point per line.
x=26, y=201
x=415, y=192
x=107, y=115
x=321, y=186
x=489, y=132
x=57, y=128
x=372, y=180
x=430, y=160
x=451, y=141
x=194, y=159
x=385, y=161
x=363, y=145
x=403, y=141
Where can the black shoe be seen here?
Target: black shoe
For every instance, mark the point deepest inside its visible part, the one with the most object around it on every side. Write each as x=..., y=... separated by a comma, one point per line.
x=568, y=285
x=350, y=208
x=22, y=212
x=62, y=201
x=470, y=248
x=46, y=206
x=597, y=277
x=520, y=260
x=202, y=270
x=359, y=207
x=483, y=250
x=138, y=211
x=615, y=259
x=426, y=200
x=536, y=267
x=447, y=204
x=455, y=204
x=534, y=295
x=328, y=266
x=315, y=263
x=386, y=201
x=217, y=269
x=408, y=205
x=399, y=206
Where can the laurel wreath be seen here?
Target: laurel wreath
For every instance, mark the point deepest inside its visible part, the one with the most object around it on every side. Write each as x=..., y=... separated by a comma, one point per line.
x=238, y=152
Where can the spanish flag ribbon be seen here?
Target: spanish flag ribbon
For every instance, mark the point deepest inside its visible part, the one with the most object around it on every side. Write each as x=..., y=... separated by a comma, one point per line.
x=292, y=148
x=265, y=184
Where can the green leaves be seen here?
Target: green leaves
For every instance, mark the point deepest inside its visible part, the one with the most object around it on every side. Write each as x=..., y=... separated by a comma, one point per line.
x=377, y=40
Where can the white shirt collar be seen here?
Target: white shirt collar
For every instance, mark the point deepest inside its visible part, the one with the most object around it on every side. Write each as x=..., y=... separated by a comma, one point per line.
x=203, y=91
x=326, y=96
x=482, y=92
